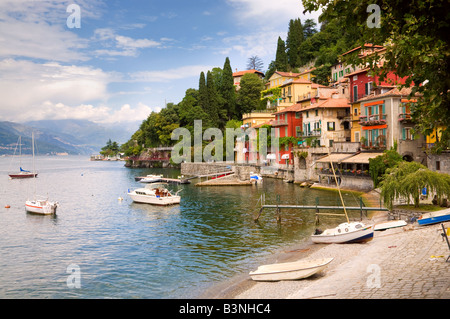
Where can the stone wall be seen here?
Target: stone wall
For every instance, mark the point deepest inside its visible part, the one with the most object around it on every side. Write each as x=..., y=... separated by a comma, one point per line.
x=194, y=169
x=440, y=163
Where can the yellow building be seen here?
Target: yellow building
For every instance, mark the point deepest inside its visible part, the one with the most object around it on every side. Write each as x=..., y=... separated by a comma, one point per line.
x=356, y=127
x=256, y=118
x=307, y=75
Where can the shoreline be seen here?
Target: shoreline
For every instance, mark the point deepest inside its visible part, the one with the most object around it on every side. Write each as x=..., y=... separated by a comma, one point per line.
x=404, y=257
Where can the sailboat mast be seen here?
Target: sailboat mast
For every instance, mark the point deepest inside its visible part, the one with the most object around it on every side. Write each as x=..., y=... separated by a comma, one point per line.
x=339, y=189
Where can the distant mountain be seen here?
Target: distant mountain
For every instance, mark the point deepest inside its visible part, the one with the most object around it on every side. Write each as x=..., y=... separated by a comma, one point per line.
x=59, y=136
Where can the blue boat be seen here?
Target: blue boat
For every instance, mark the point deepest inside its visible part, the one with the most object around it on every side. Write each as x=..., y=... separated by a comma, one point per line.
x=434, y=217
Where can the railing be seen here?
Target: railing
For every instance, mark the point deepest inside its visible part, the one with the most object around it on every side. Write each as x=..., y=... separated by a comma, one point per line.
x=375, y=119
x=309, y=133
x=404, y=117
x=343, y=172
x=279, y=122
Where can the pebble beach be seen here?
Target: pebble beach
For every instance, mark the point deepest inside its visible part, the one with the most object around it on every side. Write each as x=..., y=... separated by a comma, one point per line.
x=399, y=263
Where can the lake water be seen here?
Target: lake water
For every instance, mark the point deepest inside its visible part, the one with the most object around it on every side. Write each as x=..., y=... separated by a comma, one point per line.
x=128, y=250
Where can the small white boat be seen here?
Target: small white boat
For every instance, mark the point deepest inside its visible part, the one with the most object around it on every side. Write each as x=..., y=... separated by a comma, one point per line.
x=434, y=217
x=41, y=206
x=289, y=271
x=151, y=179
x=391, y=224
x=155, y=194
x=353, y=232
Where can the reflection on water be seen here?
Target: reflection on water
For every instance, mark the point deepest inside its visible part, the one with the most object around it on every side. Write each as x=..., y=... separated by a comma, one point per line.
x=130, y=250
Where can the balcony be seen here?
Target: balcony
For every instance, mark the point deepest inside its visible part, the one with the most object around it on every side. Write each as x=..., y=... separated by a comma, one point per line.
x=404, y=117
x=313, y=133
x=376, y=119
x=279, y=122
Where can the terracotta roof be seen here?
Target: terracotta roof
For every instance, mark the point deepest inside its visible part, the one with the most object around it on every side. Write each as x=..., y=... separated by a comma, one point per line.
x=288, y=74
x=328, y=103
x=316, y=85
x=393, y=92
x=366, y=45
x=293, y=108
x=307, y=71
x=297, y=81
x=241, y=73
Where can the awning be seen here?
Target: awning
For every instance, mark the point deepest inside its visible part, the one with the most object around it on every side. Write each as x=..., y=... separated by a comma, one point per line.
x=285, y=156
x=335, y=158
x=271, y=156
x=361, y=158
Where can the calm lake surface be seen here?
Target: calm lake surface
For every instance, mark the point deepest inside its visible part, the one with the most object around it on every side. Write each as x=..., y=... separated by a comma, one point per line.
x=129, y=250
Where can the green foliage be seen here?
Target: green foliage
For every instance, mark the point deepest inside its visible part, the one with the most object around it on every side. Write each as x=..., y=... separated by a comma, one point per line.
x=248, y=96
x=380, y=164
x=110, y=149
x=281, y=58
x=407, y=181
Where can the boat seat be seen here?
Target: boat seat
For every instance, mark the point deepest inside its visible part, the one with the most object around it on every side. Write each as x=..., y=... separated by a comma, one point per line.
x=444, y=235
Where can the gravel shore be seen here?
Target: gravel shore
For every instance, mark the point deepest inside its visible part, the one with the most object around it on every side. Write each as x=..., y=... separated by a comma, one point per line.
x=399, y=263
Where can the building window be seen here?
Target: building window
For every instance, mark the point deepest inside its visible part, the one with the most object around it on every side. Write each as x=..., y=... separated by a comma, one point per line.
x=330, y=126
x=368, y=87
x=407, y=134
x=355, y=112
x=298, y=115
x=331, y=143
x=357, y=139
x=355, y=93
x=307, y=114
x=438, y=165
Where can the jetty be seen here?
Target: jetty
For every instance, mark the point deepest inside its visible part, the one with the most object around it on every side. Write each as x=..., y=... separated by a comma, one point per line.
x=316, y=207
x=167, y=180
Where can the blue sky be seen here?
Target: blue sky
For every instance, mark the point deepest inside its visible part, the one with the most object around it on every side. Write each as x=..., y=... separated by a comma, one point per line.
x=128, y=58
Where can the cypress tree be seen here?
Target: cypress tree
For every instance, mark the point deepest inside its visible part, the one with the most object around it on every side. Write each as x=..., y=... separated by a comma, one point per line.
x=212, y=101
x=281, y=59
x=227, y=90
x=203, y=96
x=294, y=39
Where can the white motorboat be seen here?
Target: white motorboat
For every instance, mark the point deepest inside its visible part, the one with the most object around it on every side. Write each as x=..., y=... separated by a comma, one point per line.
x=41, y=206
x=289, y=271
x=151, y=179
x=353, y=232
x=155, y=194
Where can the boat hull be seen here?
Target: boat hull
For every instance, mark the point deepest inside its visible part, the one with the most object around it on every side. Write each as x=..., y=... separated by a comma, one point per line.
x=434, y=217
x=356, y=236
x=390, y=224
x=22, y=176
x=161, y=201
x=289, y=271
x=41, y=207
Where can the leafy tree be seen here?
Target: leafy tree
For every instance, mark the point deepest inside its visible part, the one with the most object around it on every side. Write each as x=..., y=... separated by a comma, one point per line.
x=416, y=38
x=408, y=179
x=309, y=28
x=111, y=148
x=212, y=105
x=380, y=164
x=255, y=63
x=248, y=96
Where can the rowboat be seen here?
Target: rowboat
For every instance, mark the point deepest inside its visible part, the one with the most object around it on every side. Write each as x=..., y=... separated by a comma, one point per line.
x=434, y=217
x=289, y=271
x=353, y=232
x=390, y=224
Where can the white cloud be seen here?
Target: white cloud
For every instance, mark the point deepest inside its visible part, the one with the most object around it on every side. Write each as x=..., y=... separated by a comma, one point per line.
x=170, y=74
x=119, y=45
x=26, y=86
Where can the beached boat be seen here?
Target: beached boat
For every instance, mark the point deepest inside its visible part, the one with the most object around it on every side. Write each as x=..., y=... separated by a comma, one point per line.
x=434, y=217
x=353, y=232
x=289, y=271
x=390, y=224
x=151, y=179
x=41, y=206
x=155, y=194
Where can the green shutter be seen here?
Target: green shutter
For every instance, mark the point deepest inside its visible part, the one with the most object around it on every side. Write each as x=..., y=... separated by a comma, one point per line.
x=403, y=134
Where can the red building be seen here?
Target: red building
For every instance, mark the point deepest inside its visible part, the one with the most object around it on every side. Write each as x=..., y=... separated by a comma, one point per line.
x=287, y=123
x=361, y=83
